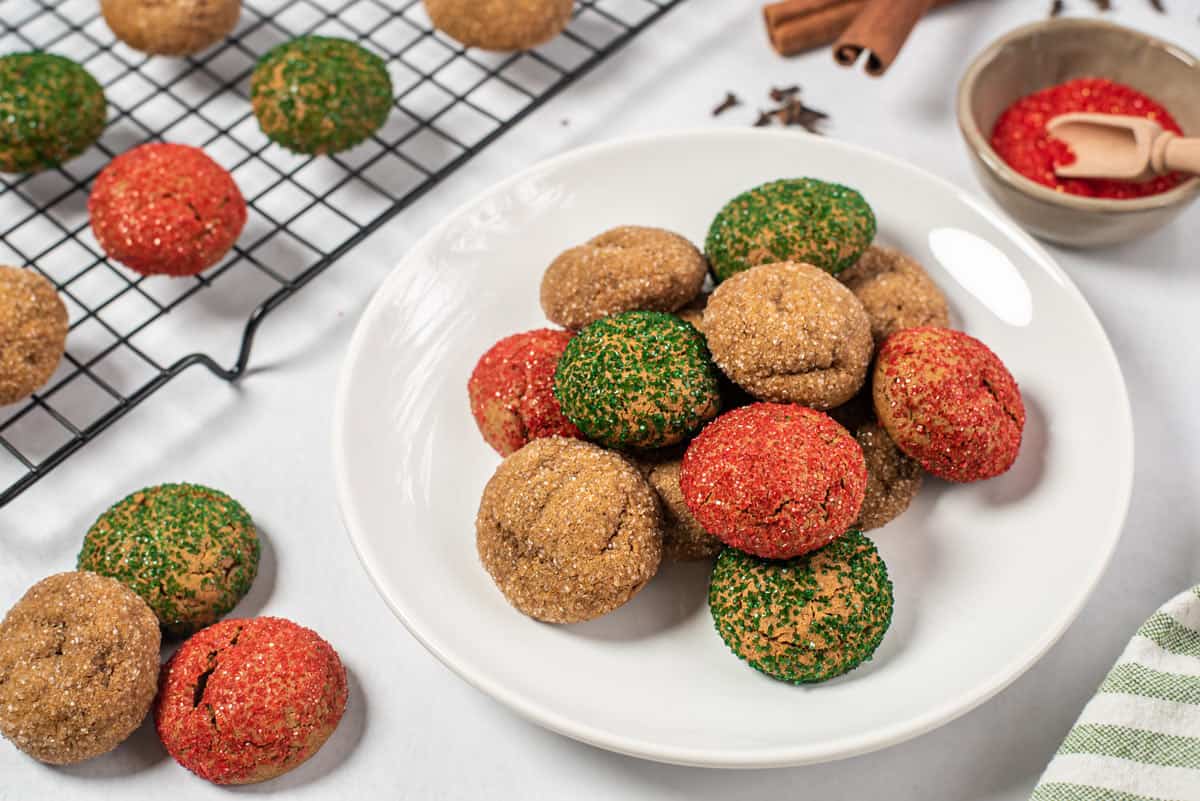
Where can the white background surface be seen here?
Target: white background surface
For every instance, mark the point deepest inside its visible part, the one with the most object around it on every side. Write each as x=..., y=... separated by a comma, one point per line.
x=412, y=729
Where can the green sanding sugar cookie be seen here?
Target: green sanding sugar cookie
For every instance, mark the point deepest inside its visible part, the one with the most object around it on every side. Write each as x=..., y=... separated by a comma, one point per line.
x=191, y=552
x=806, y=619
x=802, y=219
x=319, y=94
x=51, y=110
x=637, y=380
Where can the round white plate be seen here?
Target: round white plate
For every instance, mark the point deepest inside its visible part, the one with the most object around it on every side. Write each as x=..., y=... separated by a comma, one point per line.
x=987, y=575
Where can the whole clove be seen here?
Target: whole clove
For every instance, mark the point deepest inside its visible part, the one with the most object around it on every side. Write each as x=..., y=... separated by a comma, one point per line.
x=731, y=100
x=1057, y=7
x=780, y=94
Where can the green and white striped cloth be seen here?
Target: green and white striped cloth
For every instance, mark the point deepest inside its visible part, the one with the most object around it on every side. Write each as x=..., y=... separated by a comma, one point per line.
x=1139, y=738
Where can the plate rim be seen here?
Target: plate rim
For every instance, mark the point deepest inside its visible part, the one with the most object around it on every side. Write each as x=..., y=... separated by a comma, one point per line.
x=781, y=756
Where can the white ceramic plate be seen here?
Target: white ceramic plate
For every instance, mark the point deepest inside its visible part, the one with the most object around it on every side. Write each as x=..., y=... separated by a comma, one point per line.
x=987, y=575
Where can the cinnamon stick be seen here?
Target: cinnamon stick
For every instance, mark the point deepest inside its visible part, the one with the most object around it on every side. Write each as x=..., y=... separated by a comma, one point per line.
x=795, y=26
x=879, y=30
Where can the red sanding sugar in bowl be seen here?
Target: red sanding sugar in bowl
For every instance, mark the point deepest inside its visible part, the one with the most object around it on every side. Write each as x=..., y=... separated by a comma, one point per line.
x=1021, y=139
x=166, y=209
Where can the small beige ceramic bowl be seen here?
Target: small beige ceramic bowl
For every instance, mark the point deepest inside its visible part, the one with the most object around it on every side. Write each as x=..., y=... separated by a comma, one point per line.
x=1050, y=52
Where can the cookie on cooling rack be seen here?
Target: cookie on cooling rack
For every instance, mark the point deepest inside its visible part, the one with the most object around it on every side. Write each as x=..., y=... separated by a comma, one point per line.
x=51, y=110
x=171, y=27
x=500, y=25
x=33, y=332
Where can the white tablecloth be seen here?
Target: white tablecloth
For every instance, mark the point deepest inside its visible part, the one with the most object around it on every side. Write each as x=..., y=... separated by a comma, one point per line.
x=414, y=730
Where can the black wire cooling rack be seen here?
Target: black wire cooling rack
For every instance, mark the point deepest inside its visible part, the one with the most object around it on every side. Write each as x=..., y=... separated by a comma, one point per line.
x=130, y=335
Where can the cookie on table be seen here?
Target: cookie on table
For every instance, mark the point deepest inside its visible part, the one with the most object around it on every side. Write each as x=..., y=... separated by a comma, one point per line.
x=512, y=390
x=263, y=682
x=896, y=292
x=800, y=219
x=637, y=380
x=684, y=539
x=630, y=268
x=893, y=478
x=171, y=27
x=808, y=619
x=948, y=402
x=320, y=94
x=189, y=551
x=33, y=332
x=568, y=530
x=166, y=209
x=500, y=25
x=774, y=480
x=78, y=667
x=52, y=110
x=789, y=333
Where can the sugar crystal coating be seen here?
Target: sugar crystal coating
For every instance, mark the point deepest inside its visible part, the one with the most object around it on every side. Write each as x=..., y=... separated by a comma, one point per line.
x=807, y=619
x=500, y=25
x=51, y=110
x=568, y=530
x=775, y=480
x=637, y=380
x=78, y=667
x=895, y=291
x=33, y=332
x=802, y=219
x=171, y=27
x=948, y=402
x=244, y=701
x=165, y=208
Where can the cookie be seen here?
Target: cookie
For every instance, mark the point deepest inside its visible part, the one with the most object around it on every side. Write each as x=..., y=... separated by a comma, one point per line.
x=684, y=539
x=512, y=390
x=52, y=108
x=500, y=25
x=171, y=27
x=78, y=667
x=189, y=551
x=33, y=332
x=774, y=480
x=896, y=292
x=626, y=269
x=808, y=619
x=949, y=403
x=694, y=312
x=320, y=94
x=244, y=701
x=568, y=531
x=789, y=333
x=893, y=479
x=637, y=380
x=802, y=219
x=166, y=209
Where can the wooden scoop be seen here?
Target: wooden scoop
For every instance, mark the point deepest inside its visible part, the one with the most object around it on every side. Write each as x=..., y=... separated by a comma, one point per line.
x=1122, y=148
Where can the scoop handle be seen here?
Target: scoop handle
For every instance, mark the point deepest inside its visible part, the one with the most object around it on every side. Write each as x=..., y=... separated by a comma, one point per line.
x=1173, y=153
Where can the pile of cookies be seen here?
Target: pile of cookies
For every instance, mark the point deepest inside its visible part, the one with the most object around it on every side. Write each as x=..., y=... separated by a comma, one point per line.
x=79, y=653
x=766, y=423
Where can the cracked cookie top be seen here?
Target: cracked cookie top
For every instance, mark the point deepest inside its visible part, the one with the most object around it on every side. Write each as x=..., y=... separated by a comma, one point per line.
x=244, y=701
x=191, y=552
x=949, y=403
x=789, y=333
x=630, y=268
x=78, y=667
x=568, y=530
x=807, y=619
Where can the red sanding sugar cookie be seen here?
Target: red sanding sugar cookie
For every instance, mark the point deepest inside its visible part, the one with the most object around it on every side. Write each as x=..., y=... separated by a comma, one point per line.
x=949, y=403
x=512, y=391
x=166, y=209
x=244, y=701
x=774, y=480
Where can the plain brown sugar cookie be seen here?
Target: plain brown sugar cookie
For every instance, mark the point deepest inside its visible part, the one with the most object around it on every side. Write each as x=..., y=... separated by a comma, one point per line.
x=568, y=530
x=500, y=25
x=896, y=292
x=171, y=27
x=78, y=667
x=684, y=539
x=630, y=268
x=949, y=403
x=893, y=479
x=33, y=332
x=789, y=333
